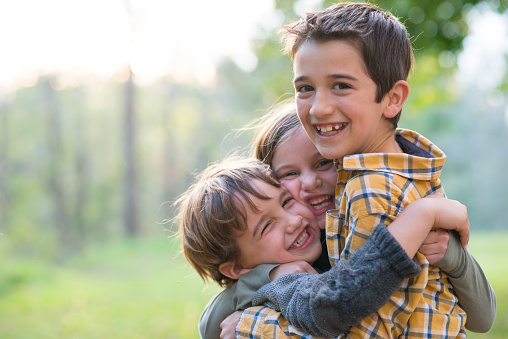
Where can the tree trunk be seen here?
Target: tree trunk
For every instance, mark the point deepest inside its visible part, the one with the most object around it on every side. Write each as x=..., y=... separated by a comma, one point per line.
x=131, y=198
x=81, y=169
x=4, y=170
x=56, y=174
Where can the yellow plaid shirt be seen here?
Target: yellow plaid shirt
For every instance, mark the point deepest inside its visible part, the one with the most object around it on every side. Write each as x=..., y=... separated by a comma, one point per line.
x=372, y=189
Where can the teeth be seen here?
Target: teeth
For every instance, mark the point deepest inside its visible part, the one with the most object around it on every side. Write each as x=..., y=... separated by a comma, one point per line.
x=319, y=203
x=318, y=207
x=330, y=130
x=318, y=200
x=301, y=240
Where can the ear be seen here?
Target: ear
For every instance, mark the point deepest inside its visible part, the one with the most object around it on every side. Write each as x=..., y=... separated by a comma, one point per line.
x=396, y=98
x=233, y=270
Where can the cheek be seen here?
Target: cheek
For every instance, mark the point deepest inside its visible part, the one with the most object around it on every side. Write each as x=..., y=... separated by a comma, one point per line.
x=302, y=108
x=330, y=178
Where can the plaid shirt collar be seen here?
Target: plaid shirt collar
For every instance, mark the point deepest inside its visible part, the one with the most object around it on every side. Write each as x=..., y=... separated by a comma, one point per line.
x=421, y=160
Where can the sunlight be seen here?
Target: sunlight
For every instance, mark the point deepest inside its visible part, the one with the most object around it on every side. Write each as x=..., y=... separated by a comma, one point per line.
x=80, y=39
x=483, y=60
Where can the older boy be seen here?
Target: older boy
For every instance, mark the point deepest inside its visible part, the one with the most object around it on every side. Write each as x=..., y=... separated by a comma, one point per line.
x=351, y=63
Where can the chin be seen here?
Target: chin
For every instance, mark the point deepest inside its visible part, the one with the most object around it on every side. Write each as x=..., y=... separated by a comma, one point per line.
x=327, y=154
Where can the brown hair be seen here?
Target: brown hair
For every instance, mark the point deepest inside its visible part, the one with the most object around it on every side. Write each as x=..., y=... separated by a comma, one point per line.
x=212, y=213
x=273, y=128
x=381, y=38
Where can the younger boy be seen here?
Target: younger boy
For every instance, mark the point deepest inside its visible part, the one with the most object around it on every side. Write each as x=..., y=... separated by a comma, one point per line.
x=351, y=62
x=238, y=217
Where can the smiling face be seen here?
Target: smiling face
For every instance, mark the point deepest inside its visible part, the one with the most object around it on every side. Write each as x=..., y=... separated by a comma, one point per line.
x=281, y=231
x=336, y=103
x=309, y=177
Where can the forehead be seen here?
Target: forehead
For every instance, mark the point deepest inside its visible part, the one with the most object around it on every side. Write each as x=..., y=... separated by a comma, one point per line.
x=298, y=140
x=328, y=55
x=261, y=192
x=252, y=207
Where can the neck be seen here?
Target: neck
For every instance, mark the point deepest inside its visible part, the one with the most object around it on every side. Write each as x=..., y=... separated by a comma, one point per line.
x=386, y=143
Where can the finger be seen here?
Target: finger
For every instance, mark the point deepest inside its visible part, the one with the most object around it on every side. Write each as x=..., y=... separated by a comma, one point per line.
x=464, y=238
x=434, y=258
x=435, y=248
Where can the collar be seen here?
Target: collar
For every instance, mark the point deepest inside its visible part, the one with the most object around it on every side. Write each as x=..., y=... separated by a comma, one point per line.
x=421, y=160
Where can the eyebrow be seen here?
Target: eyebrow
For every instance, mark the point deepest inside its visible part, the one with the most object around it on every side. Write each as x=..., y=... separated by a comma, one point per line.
x=263, y=218
x=331, y=76
x=281, y=168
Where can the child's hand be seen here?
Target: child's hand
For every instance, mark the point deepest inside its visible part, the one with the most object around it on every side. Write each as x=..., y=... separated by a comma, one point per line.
x=292, y=267
x=228, y=325
x=435, y=245
x=451, y=215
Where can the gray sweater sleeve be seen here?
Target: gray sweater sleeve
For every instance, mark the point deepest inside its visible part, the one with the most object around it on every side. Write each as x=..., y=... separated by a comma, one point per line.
x=328, y=304
x=476, y=296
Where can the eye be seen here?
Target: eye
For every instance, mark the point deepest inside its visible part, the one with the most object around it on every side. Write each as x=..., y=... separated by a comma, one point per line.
x=266, y=227
x=324, y=164
x=288, y=175
x=287, y=201
x=341, y=85
x=304, y=88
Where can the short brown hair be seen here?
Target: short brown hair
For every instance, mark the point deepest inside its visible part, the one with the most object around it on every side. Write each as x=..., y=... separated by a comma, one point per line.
x=212, y=213
x=273, y=128
x=381, y=38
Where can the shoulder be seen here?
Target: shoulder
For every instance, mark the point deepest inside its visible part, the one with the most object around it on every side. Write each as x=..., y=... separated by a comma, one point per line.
x=373, y=182
x=215, y=312
x=374, y=192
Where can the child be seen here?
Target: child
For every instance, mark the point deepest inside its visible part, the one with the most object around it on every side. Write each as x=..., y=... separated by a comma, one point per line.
x=237, y=217
x=308, y=176
x=306, y=173
x=350, y=66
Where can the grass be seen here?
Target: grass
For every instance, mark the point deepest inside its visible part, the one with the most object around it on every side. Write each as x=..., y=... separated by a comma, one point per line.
x=132, y=289
x=139, y=289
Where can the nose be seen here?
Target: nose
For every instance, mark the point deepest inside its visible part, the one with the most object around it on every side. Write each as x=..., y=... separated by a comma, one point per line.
x=321, y=105
x=294, y=223
x=309, y=181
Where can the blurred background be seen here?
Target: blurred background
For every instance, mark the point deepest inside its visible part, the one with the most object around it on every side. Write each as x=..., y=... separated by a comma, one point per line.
x=109, y=108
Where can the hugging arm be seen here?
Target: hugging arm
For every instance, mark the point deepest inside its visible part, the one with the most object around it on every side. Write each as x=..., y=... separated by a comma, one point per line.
x=328, y=304
x=476, y=296
x=472, y=288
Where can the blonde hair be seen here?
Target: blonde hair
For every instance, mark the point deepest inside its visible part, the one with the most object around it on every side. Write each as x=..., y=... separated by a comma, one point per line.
x=272, y=129
x=212, y=213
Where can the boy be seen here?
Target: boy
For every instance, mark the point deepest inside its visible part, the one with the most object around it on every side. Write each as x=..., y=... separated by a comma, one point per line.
x=350, y=66
x=237, y=217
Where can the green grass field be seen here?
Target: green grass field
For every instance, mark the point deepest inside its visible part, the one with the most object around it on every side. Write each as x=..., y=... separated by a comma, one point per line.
x=141, y=289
